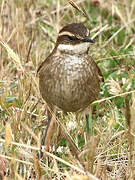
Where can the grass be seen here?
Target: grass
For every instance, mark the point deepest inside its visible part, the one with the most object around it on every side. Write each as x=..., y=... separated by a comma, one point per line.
x=27, y=35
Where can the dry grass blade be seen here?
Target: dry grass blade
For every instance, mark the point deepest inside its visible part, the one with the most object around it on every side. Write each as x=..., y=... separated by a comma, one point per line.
x=73, y=147
x=22, y=145
x=106, y=99
x=115, y=34
x=78, y=177
x=132, y=119
x=30, y=132
x=92, y=150
x=100, y=30
x=49, y=129
x=37, y=167
x=77, y=8
x=8, y=133
x=47, y=153
x=18, y=160
x=18, y=176
x=13, y=55
x=30, y=47
x=118, y=57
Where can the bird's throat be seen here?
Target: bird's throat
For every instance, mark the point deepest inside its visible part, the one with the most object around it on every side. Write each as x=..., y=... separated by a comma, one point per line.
x=74, y=49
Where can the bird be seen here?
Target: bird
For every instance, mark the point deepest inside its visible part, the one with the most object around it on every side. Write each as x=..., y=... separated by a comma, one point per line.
x=69, y=79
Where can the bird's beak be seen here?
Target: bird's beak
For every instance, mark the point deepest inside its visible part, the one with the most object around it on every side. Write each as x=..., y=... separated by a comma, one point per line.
x=88, y=39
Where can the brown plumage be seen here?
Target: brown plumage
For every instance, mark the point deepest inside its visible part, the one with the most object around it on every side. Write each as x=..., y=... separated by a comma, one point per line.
x=70, y=80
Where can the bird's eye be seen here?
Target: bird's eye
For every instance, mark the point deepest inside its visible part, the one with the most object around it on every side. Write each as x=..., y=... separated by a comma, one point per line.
x=72, y=38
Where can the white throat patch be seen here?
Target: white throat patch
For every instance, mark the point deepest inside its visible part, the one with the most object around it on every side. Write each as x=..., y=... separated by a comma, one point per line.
x=74, y=49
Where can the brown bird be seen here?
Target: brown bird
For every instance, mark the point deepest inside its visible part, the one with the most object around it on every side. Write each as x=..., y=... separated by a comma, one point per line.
x=69, y=79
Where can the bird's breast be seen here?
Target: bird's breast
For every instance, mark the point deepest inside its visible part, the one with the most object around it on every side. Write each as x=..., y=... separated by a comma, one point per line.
x=66, y=82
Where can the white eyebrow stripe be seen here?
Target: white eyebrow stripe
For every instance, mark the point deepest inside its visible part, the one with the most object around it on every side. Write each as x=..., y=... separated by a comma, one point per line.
x=65, y=33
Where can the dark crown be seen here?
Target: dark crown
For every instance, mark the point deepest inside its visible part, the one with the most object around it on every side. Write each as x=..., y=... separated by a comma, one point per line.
x=73, y=34
x=76, y=29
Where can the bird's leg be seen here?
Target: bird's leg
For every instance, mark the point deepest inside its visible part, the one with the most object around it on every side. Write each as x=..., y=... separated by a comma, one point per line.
x=48, y=131
x=49, y=116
